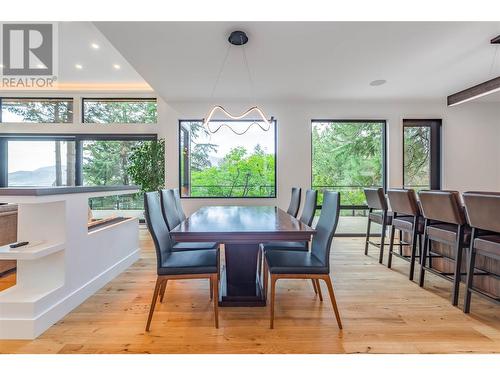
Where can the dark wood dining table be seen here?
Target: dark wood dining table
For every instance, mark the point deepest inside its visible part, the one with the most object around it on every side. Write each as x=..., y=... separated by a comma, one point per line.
x=241, y=229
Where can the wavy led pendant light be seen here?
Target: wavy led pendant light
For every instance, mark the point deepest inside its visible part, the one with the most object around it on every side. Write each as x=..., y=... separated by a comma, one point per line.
x=237, y=38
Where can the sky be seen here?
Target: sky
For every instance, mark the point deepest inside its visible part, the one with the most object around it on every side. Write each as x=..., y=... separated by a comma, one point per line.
x=31, y=155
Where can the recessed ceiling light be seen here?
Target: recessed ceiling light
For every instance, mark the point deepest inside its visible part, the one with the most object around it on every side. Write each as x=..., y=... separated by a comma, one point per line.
x=1, y=66
x=78, y=66
x=378, y=82
x=116, y=66
x=95, y=45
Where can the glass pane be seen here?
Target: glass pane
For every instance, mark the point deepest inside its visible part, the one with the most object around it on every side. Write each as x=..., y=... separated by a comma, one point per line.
x=120, y=111
x=225, y=164
x=347, y=157
x=416, y=168
x=41, y=163
x=37, y=110
x=106, y=162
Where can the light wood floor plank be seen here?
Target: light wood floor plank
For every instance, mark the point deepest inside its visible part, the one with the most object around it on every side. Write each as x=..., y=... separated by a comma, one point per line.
x=382, y=312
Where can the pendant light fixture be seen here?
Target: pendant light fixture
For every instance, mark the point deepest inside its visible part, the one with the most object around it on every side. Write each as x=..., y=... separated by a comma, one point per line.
x=237, y=38
x=483, y=89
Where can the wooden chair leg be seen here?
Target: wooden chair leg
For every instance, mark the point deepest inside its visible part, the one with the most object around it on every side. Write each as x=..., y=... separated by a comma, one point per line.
x=314, y=286
x=329, y=284
x=215, y=284
x=153, y=302
x=211, y=289
x=163, y=289
x=273, y=294
x=318, y=287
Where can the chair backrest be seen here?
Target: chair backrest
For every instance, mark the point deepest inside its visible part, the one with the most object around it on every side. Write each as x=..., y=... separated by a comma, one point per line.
x=325, y=229
x=157, y=226
x=375, y=198
x=483, y=210
x=178, y=204
x=309, y=209
x=403, y=201
x=293, y=208
x=441, y=205
x=169, y=209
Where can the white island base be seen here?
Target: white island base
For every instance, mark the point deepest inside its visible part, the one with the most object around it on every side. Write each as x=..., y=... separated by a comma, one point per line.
x=64, y=263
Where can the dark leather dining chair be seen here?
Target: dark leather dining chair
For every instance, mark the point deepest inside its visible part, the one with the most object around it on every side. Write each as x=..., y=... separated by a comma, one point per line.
x=306, y=218
x=200, y=264
x=178, y=204
x=483, y=215
x=378, y=212
x=445, y=223
x=407, y=218
x=172, y=219
x=293, y=208
x=286, y=264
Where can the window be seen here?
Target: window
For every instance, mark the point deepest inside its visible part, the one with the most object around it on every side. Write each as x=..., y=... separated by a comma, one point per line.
x=119, y=111
x=74, y=159
x=41, y=162
x=347, y=156
x=224, y=164
x=422, y=154
x=36, y=110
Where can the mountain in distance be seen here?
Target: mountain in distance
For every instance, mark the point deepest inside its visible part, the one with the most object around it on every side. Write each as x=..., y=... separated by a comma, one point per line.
x=44, y=176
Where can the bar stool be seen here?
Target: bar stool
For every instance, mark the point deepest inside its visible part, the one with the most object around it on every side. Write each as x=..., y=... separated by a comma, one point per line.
x=482, y=212
x=406, y=217
x=444, y=223
x=378, y=213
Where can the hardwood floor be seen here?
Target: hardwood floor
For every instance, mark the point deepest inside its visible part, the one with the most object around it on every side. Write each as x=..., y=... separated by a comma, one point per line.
x=382, y=312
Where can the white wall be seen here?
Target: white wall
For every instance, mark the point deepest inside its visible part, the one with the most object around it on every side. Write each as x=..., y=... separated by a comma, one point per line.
x=470, y=133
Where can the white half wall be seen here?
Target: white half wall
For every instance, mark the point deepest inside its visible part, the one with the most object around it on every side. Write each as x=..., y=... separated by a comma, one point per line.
x=470, y=135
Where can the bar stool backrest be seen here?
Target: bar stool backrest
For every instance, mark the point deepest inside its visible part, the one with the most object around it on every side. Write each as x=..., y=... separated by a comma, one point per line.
x=483, y=210
x=403, y=202
x=442, y=205
x=375, y=199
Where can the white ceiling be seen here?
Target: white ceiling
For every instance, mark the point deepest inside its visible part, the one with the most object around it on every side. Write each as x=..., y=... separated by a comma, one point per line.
x=309, y=60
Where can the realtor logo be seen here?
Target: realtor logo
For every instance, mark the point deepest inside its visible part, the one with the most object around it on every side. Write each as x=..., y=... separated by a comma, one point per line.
x=29, y=55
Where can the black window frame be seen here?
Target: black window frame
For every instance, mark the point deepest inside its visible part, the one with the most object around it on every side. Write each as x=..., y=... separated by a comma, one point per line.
x=78, y=138
x=117, y=99
x=274, y=196
x=435, y=125
x=35, y=98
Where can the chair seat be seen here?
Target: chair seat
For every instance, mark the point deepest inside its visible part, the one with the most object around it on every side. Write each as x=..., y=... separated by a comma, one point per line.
x=179, y=246
x=377, y=217
x=488, y=246
x=447, y=233
x=294, y=262
x=286, y=245
x=405, y=223
x=189, y=263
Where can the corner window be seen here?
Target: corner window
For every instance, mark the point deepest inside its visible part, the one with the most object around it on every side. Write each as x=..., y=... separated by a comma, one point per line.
x=119, y=111
x=218, y=163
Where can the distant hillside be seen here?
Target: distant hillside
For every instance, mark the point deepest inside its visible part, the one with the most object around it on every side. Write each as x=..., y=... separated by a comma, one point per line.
x=45, y=176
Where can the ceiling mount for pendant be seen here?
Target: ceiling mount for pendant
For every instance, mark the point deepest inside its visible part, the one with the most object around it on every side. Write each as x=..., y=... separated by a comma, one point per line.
x=238, y=38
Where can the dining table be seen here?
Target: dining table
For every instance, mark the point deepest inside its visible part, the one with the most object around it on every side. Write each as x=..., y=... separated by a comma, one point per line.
x=241, y=229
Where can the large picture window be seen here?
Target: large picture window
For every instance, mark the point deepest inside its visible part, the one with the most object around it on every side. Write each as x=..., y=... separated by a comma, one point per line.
x=347, y=156
x=36, y=110
x=119, y=111
x=224, y=164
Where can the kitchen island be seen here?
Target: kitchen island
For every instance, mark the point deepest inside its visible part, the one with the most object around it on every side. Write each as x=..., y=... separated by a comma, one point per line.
x=64, y=262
